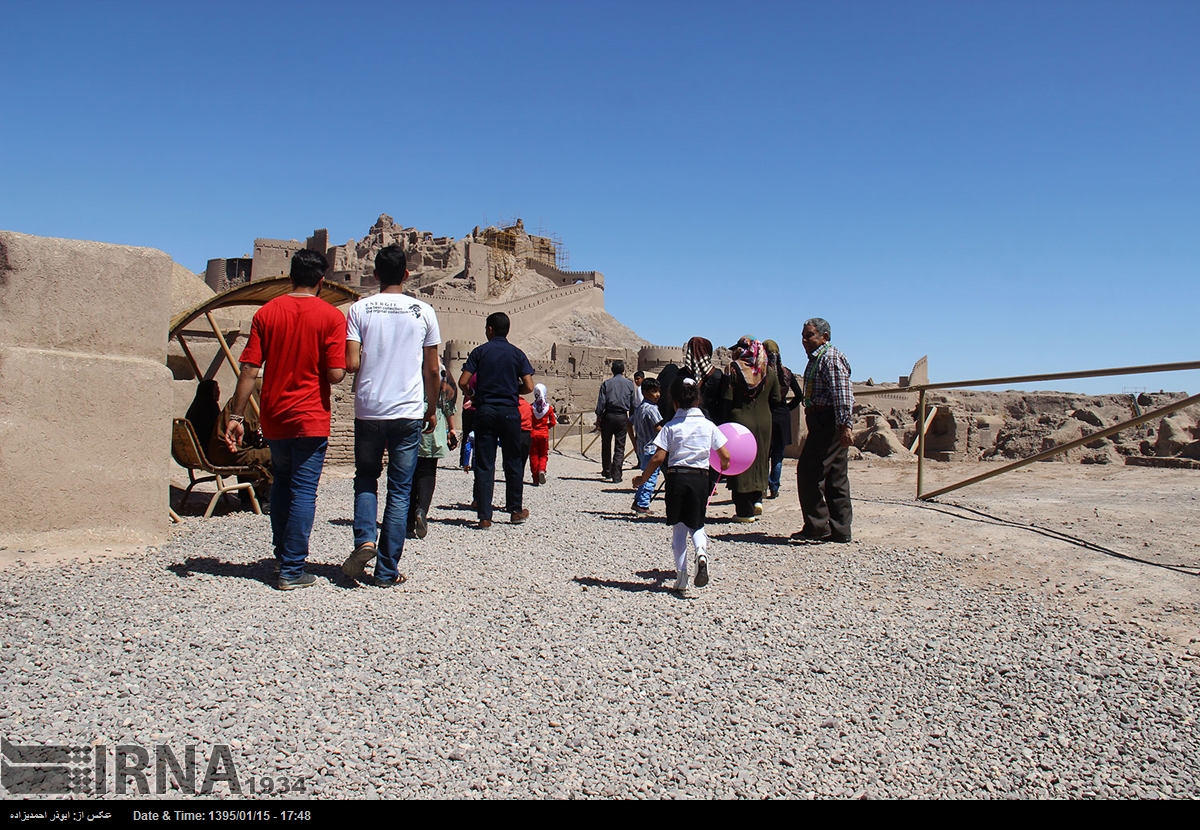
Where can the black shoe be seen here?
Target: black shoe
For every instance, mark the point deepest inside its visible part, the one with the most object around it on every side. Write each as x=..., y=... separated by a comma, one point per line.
x=303, y=581
x=420, y=524
x=810, y=537
x=837, y=537
x=774, y=494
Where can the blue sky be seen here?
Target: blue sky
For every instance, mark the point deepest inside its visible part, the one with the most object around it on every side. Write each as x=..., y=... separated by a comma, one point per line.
x=1008, y=187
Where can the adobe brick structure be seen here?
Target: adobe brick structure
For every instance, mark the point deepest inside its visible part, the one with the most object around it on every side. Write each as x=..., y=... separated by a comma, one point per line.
x=557, y=315
x=85, y=418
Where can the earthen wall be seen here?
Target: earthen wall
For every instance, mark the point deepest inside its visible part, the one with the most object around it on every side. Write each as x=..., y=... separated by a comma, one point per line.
x=80, y=364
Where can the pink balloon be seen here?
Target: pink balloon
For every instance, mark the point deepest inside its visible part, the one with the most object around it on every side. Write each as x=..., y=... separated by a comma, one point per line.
x=743, y=449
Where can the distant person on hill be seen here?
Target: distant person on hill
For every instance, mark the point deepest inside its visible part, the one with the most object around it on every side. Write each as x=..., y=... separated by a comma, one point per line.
x=822, y=473
x=614, y=405
x=301, y=339
x=501, y=373
x=685, y=443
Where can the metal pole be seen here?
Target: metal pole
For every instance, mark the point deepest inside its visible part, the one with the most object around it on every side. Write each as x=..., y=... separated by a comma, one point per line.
x=921, y=444
x=1053, y=451
x=924, y=428
x=212, y=321
x=1091, y=373
x=191, y=359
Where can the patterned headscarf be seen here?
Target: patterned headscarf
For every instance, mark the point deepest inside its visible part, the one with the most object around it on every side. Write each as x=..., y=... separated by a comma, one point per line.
x=751, y=365
x=540, y=405
x=697, y=356
x=775, y=361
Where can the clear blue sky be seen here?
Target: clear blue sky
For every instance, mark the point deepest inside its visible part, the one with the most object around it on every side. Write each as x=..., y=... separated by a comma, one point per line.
x=1008, y=187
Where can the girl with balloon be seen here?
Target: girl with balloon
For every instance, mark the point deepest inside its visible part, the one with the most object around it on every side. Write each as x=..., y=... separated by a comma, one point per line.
x=688, y=443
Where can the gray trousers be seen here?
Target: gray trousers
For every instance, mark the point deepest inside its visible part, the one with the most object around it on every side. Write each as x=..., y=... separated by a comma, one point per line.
x=823, y=478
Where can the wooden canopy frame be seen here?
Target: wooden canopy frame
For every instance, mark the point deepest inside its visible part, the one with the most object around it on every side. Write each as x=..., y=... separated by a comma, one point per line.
x=256, y=293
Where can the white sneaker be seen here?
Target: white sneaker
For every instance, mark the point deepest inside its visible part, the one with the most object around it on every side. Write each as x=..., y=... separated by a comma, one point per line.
x=745, y=519
x=701, y=571
x=758, y=508
x=681, y=581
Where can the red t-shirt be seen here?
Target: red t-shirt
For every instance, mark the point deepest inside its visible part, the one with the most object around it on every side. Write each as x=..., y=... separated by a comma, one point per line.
x=526, y=410
x=296, y=339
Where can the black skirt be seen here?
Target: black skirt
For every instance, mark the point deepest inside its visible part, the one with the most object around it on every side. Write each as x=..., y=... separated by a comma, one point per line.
x=687, y=496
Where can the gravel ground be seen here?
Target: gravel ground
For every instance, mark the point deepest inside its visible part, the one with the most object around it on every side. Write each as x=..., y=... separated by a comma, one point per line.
x=549, y=660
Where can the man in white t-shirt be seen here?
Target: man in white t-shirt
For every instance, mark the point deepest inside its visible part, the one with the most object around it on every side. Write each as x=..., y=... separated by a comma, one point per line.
x=392, y=343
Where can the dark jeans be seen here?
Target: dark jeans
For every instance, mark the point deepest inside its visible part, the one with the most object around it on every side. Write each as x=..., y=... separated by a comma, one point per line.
x=424, y=481
x=401, y=438
x=823, y=477
x=613, y=426
x=297, y=465
x=498, y=425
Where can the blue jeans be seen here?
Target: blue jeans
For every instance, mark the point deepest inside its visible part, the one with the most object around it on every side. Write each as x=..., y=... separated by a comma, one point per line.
x=401, y=438
x=498, y=425
x=297, y=463
x=776, y=474
x=644, y=493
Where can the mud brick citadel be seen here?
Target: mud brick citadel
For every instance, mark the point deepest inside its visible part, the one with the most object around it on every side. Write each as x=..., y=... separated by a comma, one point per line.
x=558, y=315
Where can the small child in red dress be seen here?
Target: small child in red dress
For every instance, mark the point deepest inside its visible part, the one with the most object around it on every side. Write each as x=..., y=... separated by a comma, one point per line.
x=543, y=419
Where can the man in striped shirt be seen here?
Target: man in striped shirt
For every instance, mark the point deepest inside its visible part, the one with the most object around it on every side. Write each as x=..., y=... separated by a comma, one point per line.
x=822, y=473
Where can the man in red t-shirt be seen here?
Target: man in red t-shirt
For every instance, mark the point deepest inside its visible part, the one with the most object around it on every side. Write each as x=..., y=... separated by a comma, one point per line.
x=301, y=339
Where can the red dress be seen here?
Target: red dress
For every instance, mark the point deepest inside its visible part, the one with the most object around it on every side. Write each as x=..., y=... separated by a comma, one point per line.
x=539, y=448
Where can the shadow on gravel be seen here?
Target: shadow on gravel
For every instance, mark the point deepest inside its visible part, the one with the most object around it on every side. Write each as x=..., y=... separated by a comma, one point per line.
x=461, y=522
x=197, y=502
x=757, y=538
x=629, y=516
x=261, y=571
x=658, y=585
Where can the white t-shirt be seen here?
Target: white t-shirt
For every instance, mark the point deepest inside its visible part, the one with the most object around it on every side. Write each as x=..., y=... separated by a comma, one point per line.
x=394, y=330
x=689, y=438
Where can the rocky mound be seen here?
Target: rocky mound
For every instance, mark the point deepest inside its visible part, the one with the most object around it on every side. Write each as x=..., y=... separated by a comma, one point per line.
x=972, y=425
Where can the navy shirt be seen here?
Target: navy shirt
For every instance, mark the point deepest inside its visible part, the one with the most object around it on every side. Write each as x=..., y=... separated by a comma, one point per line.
x=498, y=367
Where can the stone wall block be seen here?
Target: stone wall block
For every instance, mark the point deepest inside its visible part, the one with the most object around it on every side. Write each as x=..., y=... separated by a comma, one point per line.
x=84, y=445
x=84, y=296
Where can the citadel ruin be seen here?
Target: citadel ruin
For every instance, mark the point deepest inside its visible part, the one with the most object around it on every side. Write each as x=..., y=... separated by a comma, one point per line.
x=84, y=353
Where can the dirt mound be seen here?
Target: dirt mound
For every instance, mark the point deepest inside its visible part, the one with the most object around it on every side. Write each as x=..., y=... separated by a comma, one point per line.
x=970, y=425
x=188, y=290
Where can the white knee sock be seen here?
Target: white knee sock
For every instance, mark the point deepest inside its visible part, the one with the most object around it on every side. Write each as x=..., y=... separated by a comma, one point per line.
x=679, y=546
x=700, y=540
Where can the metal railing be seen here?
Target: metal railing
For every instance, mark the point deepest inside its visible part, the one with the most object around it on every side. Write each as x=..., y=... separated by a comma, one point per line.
x=923, y=422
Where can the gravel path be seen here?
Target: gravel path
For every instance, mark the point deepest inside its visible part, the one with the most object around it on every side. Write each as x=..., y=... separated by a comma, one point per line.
x=549, y=660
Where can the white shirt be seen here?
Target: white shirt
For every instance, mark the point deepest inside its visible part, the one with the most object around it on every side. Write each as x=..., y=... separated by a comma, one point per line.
x=394, y=330
x=689, y=438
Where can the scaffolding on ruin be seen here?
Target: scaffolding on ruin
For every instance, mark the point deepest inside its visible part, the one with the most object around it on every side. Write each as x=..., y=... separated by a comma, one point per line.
x=502, y=236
